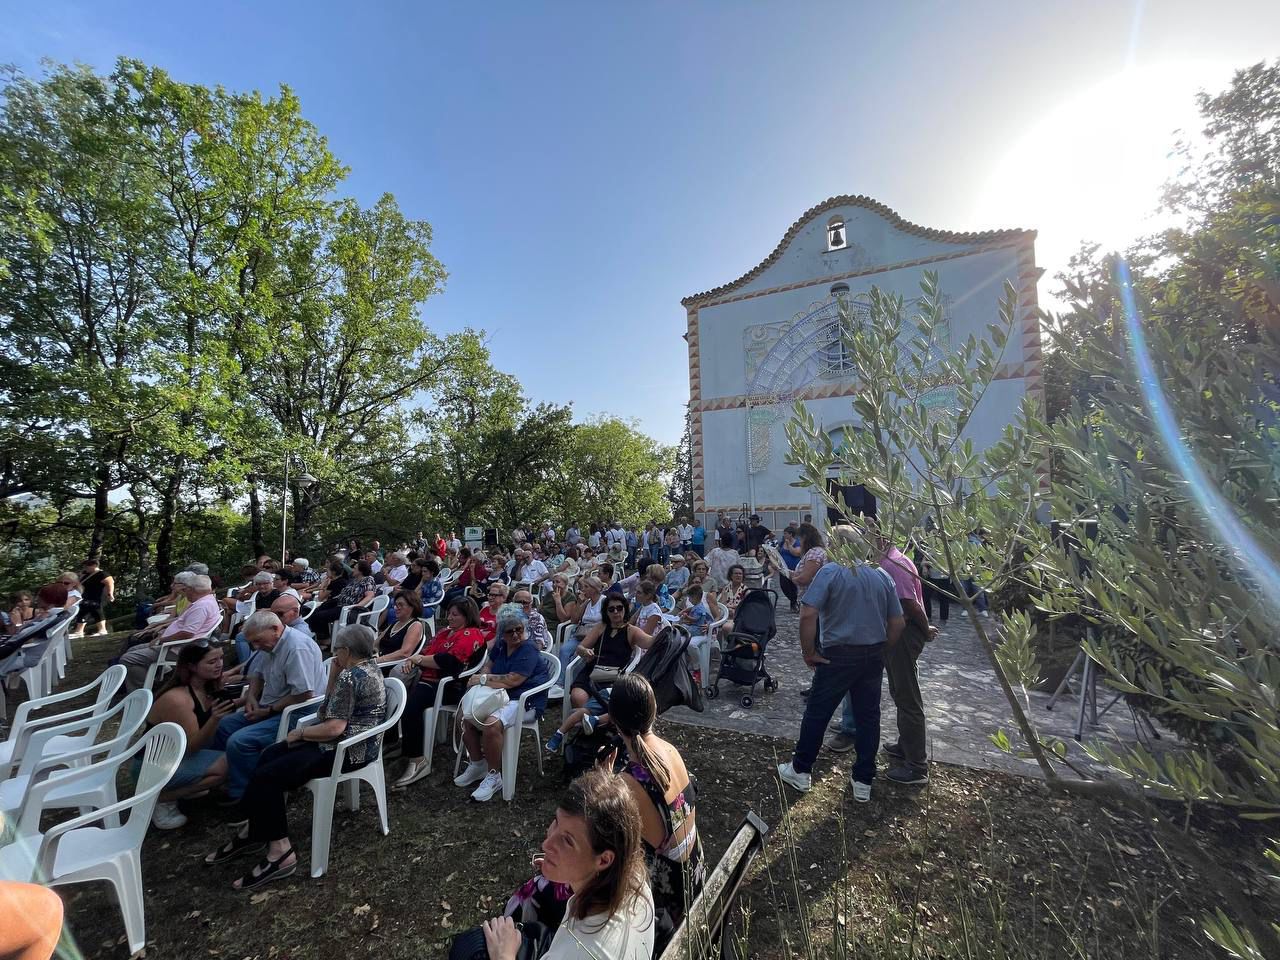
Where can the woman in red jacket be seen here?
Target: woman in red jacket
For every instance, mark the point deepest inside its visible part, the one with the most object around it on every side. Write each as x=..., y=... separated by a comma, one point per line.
x=447, y=655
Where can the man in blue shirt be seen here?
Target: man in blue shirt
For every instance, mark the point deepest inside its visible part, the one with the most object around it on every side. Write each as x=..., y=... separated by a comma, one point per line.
x=699, y=540
x=860, y=614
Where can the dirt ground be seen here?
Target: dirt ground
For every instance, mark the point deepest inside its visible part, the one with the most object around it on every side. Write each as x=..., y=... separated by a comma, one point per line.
x=977, y=864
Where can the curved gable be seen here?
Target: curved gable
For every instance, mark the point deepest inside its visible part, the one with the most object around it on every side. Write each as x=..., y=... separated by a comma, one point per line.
x=877, y=236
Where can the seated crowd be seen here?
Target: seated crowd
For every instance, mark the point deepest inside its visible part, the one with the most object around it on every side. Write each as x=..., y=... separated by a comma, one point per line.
x=622, y=857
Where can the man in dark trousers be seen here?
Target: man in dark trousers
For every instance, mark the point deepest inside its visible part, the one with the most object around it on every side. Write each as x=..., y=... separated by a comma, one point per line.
x=909, y=760
x=861, y=617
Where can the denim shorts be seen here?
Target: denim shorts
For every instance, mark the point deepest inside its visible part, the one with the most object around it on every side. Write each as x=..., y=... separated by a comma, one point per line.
x=192, y=768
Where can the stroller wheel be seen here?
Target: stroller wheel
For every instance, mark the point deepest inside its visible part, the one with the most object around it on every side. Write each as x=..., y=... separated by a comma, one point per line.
x=747, y=701
x=711, y=692
x=771, y=684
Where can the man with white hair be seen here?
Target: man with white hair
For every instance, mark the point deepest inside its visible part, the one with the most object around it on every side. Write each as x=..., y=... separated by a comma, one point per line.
x=287, y=668
x=199, y=619
x=861, y=615
x=302, y=574
x=395, y=571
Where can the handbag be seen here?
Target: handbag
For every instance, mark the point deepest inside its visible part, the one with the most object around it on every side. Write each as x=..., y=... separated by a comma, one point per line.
x=480, y=703
x=606, y=675
x=535, y=941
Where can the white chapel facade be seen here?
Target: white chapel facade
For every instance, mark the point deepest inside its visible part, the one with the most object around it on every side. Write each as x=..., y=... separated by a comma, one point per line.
x=772, y=335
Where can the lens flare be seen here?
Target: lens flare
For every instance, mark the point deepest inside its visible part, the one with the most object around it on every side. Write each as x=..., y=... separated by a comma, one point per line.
x=1216, y=509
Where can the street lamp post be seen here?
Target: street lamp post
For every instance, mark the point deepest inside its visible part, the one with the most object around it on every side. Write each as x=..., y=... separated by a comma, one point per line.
x=305, y=482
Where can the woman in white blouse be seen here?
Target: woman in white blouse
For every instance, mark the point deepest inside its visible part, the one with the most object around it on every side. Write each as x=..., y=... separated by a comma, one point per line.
x=594, y=846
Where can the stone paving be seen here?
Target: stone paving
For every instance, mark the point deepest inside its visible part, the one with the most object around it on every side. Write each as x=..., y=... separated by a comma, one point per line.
x=962, y=700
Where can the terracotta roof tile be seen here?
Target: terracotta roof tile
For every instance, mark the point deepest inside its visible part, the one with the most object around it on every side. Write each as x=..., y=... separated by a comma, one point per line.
x=867, y=203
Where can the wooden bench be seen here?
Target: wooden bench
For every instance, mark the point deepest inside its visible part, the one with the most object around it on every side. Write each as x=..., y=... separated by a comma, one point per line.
x=700, y=935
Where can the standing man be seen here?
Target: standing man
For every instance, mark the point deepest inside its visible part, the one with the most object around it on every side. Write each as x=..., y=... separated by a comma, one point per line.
x=909, y=760
x=685, y=532
x=698, y=538
x=97, y=588
x=757, y=534
x=860, y=615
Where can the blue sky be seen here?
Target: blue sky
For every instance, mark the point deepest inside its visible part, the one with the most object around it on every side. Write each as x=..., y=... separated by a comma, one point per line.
x=586, y=165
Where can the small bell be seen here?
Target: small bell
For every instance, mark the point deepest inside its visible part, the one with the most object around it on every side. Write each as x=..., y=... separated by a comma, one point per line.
x=837, y=238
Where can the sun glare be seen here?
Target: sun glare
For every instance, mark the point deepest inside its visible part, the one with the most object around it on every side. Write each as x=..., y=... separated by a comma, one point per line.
x=1091, y=168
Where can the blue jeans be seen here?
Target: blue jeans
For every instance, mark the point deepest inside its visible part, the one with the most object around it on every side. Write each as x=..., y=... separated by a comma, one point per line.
x=243, y=651
x=244, y=740
x=855, y=672
x=976, y=594
x=567, y=651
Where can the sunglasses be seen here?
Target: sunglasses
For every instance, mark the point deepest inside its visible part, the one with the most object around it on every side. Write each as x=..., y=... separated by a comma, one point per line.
x=495, y=594
x=526, y=602
x=515, y=629
x=617, y=609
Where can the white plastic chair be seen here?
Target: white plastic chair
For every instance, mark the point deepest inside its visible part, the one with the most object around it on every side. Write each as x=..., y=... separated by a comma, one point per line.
x=167, y=658
x=371, y=616
x=308, y=609
x=305, y=707
x=38, y=678
x=511, y=736
x=244, y=610
x=434, y=729
x=87, y=793
x=81, y=849
x=63, y=654
x=571, y=671
x=325, y=789
x=104, y=689
x=712, y=638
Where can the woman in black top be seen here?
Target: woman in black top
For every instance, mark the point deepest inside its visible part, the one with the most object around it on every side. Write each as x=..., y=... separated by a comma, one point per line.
x=605, y=651
x=402, y=638
x=97, y=589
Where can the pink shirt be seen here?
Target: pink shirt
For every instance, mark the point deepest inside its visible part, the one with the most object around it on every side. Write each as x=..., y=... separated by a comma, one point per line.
x=201, y=616
x=905, y=578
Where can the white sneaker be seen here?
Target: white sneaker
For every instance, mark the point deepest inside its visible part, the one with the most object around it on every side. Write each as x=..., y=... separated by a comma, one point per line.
x=556, y=693
x=167, y=816
x=964, y=614
x=986, y=614
x=801, y=781
x=474, y=773
x=489, y=787
x=861, y=791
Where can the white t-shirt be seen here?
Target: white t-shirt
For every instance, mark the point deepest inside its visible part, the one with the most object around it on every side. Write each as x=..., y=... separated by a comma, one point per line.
x=686, y=533
x=645, y=612
x=396, y=574
x=455, y=545
x=375, y=566
x=615, y=535
x=627, y=935
x=594, y=540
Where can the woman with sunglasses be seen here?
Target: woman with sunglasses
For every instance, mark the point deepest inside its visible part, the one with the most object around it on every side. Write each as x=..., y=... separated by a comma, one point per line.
x=498, y=593
x=605, y=652
x=538, y=631
x=193, y=698
x=515, y=666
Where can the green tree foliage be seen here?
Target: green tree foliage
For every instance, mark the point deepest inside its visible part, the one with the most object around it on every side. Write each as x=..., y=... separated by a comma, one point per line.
x=187, y=303
x=680, y=488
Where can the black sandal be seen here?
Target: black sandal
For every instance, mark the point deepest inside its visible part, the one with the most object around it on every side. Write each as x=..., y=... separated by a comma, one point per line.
x=232, y=849
x=272, y=871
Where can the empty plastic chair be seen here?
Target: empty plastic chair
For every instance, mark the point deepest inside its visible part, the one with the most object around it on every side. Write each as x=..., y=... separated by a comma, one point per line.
x=82, y=849
x=103, y=689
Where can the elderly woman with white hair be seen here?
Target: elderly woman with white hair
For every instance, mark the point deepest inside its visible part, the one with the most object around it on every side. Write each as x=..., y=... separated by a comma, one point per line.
x=515, y=665
x=355, y=701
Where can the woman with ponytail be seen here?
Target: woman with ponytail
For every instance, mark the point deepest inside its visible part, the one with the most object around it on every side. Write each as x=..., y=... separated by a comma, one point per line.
x=665, y=793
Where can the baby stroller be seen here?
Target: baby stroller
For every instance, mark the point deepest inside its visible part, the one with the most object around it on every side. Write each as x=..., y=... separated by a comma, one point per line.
x=742, y=653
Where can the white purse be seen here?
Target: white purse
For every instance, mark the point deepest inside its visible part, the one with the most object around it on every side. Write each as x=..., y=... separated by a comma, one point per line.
x=480, y=703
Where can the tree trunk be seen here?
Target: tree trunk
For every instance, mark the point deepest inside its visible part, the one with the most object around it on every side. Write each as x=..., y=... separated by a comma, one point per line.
x=101, y=508
x=255, y=519
x=168, y=520
x=141, y=545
